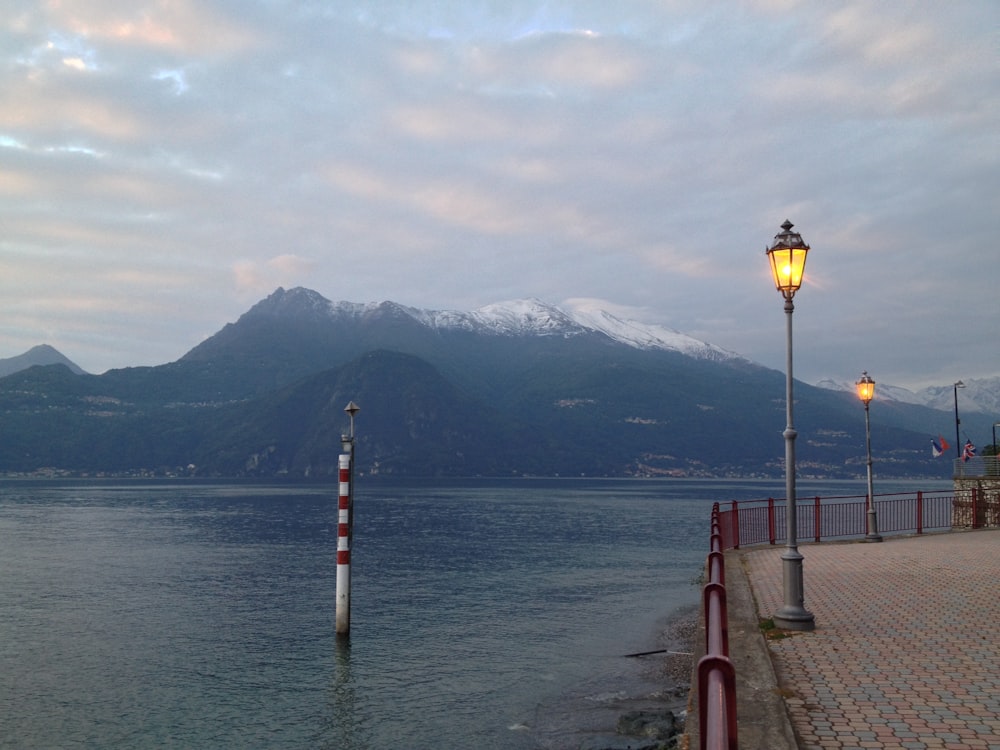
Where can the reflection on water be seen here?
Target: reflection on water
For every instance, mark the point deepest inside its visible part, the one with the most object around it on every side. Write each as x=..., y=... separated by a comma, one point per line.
x=343, y=730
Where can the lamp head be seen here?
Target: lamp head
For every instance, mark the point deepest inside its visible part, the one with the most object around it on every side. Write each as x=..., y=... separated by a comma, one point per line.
x=866, y=388
x=788, y=260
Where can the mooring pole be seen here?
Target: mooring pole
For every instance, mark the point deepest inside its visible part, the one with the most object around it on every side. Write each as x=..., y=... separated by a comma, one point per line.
x=345, y=525
x=344, y=547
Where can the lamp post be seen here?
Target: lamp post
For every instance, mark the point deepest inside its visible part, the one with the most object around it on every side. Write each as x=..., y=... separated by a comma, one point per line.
x=788, y=261
x=995, y=471
x=958, y=444
x=866, y=391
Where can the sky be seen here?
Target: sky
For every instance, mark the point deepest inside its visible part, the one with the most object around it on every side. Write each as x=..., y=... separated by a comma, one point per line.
x=165, y=165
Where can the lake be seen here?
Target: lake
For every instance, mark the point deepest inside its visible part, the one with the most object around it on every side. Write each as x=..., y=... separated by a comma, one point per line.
x=484, y=613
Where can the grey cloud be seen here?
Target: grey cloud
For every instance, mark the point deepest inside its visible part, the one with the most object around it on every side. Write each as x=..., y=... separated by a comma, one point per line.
x=454, y=154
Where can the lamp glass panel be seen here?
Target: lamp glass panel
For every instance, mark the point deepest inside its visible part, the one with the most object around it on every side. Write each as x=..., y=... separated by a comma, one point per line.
x=787, y=267
x=866, y=390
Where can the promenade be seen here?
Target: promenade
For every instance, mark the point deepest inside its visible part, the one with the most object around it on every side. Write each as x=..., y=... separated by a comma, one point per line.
x=905, y=654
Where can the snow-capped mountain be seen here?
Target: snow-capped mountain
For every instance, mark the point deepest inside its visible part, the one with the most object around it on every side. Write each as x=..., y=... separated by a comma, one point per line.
x=447, y=393
x=981, y=395
x=537, y=318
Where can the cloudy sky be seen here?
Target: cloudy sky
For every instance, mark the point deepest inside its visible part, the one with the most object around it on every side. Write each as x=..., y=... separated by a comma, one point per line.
x=166, y=164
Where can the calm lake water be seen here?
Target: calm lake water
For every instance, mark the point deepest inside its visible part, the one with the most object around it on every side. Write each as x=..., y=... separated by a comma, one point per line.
x=485, y=614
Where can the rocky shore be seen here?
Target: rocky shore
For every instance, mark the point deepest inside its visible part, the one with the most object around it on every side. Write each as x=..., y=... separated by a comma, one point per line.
x=652, y=719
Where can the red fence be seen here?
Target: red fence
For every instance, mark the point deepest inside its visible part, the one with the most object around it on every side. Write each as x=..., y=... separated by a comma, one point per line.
x=716, y=675
x=763, y=521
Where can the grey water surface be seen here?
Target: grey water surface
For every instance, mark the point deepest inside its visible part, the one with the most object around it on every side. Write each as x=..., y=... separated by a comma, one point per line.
x=485, y=614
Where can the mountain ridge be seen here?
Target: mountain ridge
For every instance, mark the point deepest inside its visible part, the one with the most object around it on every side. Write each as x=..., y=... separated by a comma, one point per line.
x=516, y=389
x=516, y=317
x=526, y=317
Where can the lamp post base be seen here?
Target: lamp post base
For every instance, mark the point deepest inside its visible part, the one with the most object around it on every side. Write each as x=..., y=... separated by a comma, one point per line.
x=794, y=619
x=793, y=616
x=872, y=535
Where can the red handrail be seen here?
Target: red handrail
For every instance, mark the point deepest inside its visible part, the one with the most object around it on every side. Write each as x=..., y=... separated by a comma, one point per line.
x=716, y=674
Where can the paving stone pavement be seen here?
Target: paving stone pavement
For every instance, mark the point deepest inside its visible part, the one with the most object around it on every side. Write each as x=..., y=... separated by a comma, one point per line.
x=906, y=650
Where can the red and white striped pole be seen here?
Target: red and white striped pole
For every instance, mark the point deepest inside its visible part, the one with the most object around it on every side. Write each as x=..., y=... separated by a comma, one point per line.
x=344, y=546
x=345, y=525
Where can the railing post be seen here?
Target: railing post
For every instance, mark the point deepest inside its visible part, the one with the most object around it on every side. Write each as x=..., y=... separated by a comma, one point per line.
x=736, y=526
x=920, y=512
x=975, y=507
x=770, y=520
x=817, y=519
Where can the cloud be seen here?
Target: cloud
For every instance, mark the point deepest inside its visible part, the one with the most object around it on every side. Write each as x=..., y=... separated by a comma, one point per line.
x=180, y=26
x=195, y=155
x=281, y=270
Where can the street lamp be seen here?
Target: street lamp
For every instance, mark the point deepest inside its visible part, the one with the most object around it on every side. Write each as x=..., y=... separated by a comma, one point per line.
x=866, y=392
x=788, y=261
x=958, y=445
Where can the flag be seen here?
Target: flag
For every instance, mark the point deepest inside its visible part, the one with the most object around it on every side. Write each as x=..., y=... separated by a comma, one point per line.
x=969, y=452
x=938, y=446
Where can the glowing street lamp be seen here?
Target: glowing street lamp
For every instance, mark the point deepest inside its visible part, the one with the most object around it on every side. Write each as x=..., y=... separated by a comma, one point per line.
x=788, y=260
x=866, y=392
x=787, y=255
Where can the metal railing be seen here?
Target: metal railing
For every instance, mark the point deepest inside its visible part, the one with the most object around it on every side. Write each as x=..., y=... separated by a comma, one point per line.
x=716, y=674
x=750, y=522
x=753, y=522
x=976, y=467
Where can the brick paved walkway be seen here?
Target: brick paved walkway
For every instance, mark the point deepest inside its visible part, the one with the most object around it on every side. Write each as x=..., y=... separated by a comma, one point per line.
x=906, y=650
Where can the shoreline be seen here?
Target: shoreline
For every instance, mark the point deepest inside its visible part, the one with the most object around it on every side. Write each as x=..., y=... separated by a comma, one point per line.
x=655, y=684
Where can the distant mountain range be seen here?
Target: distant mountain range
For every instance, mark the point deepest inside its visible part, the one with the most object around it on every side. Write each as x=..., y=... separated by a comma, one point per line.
x=982, y=395
x=534, y=317
x=518, y=388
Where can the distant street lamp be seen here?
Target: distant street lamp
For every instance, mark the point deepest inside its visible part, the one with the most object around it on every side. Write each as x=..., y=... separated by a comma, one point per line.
x=866, y=392
x=958, y=445
x=788, y=261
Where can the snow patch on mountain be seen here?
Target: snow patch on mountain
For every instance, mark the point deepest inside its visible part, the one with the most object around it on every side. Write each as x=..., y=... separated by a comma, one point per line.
x=534, y=317
x=648, y=336
x=517, y=317
x=512, y=318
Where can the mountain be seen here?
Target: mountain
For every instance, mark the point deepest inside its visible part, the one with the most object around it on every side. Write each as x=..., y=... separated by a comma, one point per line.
x=517, y=388
x=42, y=354
x=976, y=395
